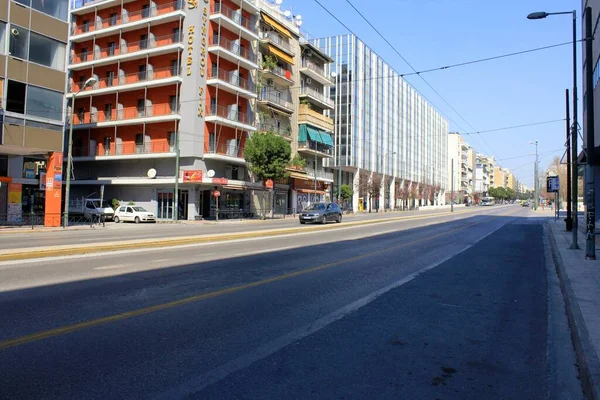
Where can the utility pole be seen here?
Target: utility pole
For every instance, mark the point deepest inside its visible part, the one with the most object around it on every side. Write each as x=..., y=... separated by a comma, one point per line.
x=535, y=178
x=569, y=219
x=452, y=186
x=176, y=195
x=574, y=133
x=590, y=195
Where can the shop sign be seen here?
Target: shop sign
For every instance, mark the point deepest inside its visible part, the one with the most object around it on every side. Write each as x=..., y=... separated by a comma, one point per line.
x=203, y=52
x=220, y=181
x=29, y=170
x=190, y=50
x=192, y=175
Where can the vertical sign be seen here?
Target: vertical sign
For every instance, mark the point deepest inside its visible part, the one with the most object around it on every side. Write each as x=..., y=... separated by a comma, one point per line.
x=53, y=202
x=15, y=208
x=195, y=62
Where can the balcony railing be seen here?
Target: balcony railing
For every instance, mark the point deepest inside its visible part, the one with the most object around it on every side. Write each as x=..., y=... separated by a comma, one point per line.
x=275, y=97
x=124, y=149
x=231, y=149
x=319, y=174
x=314, y=67
x=306, y=115
x=124, y=114
x=232, y=78
x=274, y=38
x=321, y=148
x=129, y=48
x=317, y=95
x=130, y=17
x=282, y=72
x=234, y=15
x=234, y=47
x=230, y=114
x=271, y=127
x=127, y=79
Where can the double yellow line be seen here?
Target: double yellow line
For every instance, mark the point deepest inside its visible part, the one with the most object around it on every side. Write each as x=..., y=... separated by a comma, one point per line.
x=172, y=304
x=57, y=251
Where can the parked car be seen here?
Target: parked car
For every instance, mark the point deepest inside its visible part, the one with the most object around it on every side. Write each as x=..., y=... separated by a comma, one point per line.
x=91, y=208
x=321, y=213
x=135, y=214
x=525, y=204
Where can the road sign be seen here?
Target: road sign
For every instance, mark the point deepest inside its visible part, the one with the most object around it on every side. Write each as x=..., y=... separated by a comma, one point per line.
x=216, y=193
x=552, y=184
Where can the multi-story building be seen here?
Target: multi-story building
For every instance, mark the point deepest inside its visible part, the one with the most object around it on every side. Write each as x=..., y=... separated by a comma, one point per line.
x=33, y=43
x=383, y=128
x=500, y=177
x=484, y=177
x=464, y=157
x=172, y=106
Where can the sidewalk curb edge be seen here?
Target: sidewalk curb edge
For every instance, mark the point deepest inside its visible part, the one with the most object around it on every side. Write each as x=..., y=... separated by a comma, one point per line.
x=588, y=365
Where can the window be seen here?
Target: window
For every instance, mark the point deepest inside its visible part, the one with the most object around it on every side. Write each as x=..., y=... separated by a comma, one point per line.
x=175, y=67
x=145, y=11
x=112, y=20
x=85, y=26
x=172, y=140
x=142, y=72
x=15, y=97
x=176, y=34
x=110, y=77
x=173, y=103
x=44, y=103
x=43, y=125
x=141, y=107
x=112, y=46
x=46, y=51
x=129, y=209
x=107, y=141
x=212, y=142
x=108, y=111
x=84, y=54
x=19, y=41
x=144, y=41
x=121, y=209
x=54, y=8
x=2, y=37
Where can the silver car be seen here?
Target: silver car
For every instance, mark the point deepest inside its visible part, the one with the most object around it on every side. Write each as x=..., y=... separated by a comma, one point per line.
x=321, y=213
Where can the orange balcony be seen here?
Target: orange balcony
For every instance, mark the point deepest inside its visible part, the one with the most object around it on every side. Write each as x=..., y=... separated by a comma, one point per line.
x=124, y=149
x=229, y=116
x=124, y=114
x=129, y=79
x=229, y=150
x=130, y=48
x=234, y=19
x=117, y=21
x=231, y=81
x=233, y=51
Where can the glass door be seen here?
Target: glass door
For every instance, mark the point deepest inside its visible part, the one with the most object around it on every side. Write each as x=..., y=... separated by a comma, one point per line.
x=165, y=205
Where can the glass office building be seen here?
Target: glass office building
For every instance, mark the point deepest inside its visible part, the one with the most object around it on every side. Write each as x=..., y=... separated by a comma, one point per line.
x=382, y=124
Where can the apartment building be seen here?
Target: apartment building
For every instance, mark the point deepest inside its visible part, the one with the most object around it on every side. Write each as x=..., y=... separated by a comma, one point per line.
x=384, y=128
x=33, y=43
x=484, y=177
x=500, y=177
x=172, y=105
x=464, y=157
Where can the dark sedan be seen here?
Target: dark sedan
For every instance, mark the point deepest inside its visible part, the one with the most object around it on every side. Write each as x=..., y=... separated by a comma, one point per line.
x=321, y=213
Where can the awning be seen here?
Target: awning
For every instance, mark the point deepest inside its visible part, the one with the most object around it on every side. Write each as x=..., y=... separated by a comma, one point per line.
x=276, y=25
x=316, y=135
x=280, y=54
x=311, y=191
x=297, y=175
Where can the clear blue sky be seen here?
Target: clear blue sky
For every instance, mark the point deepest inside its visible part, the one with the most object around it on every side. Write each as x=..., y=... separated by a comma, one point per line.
x=511, y=91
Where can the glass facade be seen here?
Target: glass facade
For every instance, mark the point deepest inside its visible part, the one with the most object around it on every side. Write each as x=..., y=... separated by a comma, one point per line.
x=382, y=124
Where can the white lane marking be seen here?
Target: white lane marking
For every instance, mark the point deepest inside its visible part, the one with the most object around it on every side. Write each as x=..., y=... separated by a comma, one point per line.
x=200, y=382
x=449, y=305
x=116, y=266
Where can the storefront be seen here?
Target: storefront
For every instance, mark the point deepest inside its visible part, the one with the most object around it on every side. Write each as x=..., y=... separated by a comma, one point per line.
x=305, y=193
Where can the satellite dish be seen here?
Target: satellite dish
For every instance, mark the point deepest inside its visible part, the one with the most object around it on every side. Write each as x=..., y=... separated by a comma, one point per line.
x=151, y=173
x=287, y=13
x=298, y=17
x=333, y=74
x=298, y=22
x=278, y=2
x=210, y=173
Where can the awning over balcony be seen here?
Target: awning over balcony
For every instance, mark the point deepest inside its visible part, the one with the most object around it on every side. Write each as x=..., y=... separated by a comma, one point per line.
x=276, y=25
x=280, y=54
x=316, y=135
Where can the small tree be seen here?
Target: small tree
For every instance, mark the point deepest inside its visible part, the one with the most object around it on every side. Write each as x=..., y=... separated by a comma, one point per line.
x=267, y=156
x=345, y=193
x=421, y=191
x=298, y=162
x=413, y=192
x=374, y=188
x=363, y=183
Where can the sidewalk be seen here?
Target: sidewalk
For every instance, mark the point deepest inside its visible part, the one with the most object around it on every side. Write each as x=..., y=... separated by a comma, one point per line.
x=580, y=285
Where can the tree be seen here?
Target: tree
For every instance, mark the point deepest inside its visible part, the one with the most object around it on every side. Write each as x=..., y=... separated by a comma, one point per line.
x=374, y=188
x=267, y=156
x=345, y=193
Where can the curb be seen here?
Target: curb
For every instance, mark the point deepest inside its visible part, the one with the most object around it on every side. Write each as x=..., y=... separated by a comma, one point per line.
x=589, y=366
x=160, y=243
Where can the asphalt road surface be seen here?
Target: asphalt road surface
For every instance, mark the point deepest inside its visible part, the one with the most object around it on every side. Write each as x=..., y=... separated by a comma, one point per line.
x=455, y=307
x=127, y=231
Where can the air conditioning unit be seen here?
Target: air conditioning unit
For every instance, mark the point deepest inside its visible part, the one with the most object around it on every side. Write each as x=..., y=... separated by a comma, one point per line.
x=308, y=80
x=270, y=83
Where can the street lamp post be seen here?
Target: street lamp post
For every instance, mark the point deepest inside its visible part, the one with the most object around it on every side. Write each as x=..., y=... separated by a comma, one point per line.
x=89, y=82
x=535, y=177
x=574, y=133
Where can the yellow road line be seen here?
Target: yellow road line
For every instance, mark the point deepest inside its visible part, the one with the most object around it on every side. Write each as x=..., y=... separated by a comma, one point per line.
x=56, y=251
x=159, y=307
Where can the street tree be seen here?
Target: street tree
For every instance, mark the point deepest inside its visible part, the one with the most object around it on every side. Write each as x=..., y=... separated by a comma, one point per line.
x=267, y=156
x=345, y=193
x=374, y=188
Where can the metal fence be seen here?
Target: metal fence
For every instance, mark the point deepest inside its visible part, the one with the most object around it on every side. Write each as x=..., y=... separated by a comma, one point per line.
x=33, y=220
